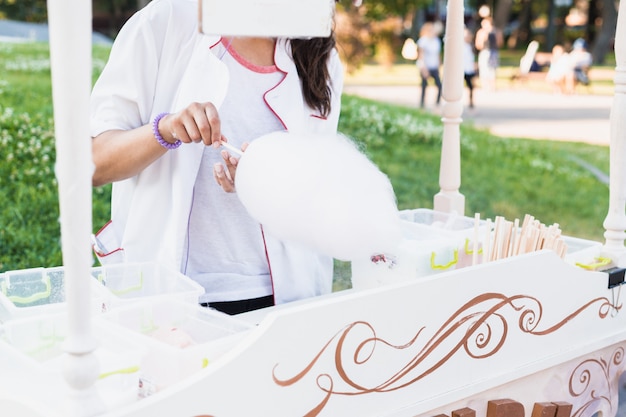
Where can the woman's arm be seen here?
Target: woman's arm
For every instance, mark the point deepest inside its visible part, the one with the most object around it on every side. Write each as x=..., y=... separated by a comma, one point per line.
x=123, y=102
x=121, y=154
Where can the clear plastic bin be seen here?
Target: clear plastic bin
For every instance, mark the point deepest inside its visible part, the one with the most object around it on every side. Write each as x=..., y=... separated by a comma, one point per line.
x=133, y=281
x=29, y=292
x=435, y=224
x=432, y=242
x=180, y=338
x=35, y=346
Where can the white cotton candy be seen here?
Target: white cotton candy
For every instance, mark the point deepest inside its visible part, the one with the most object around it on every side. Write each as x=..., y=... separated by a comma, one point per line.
x=321, y=191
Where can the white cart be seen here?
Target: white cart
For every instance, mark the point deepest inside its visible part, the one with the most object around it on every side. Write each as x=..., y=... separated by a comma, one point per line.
x=532, y=334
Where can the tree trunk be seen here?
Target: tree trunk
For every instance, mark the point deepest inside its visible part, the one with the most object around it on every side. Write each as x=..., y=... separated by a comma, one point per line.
x=551, y=29
x=606, y=36
x=521, y=36
x=593, y=14
x=418, y=20
x=502, y=13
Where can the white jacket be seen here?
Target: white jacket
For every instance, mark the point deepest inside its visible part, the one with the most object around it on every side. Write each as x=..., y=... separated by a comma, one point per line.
x=161, y=63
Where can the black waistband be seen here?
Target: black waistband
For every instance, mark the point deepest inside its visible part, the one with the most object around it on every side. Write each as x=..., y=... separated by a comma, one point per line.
x=241, y=306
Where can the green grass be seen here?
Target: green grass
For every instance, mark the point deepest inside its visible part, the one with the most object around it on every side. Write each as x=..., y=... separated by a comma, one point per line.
x=500, y=176
x=30, y=232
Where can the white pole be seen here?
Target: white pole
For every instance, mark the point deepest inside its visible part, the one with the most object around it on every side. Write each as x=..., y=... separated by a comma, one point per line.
x=615, y=222
x=449, y=199
x=70, y=58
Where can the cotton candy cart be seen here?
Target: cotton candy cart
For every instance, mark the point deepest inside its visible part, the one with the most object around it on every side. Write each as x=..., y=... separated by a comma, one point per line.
x=531, y=334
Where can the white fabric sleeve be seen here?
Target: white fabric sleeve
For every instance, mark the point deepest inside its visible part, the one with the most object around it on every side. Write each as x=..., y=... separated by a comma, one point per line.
x=122, y=96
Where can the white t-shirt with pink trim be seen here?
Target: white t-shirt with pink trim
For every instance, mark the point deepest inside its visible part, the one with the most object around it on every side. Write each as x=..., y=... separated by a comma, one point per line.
x=225, y=252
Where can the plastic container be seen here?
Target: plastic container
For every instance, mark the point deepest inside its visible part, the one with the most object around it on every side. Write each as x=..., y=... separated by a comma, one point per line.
x=431, y=224
x=133, y=281
x=30, y=292
x=180, y=338
x=435, y=242
x=587, y=254
x=577, y=247
x=36, y=345
x=432, y=242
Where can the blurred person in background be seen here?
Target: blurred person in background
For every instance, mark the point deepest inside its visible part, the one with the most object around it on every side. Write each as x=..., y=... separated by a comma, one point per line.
x=581, y=61
x=429, y=59
x=469, y=64
x=488, y=42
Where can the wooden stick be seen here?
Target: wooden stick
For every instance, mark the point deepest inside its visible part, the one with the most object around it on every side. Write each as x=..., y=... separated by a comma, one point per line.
x=506, y=241
x=558, y=246
x=496, y=238
x=486, y=243
x=551, y=238
x=501, y=238
x=509, y=239
x=524, y=233
x=515, y=238
x=475, y=243
x=534, y=243
x=529, y=239
x=231, y=148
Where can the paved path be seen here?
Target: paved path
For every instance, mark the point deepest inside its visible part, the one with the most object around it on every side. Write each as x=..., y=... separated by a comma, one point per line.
x=515, y=112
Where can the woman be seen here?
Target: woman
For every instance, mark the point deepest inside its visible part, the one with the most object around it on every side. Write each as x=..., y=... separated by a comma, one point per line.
x=166, y=100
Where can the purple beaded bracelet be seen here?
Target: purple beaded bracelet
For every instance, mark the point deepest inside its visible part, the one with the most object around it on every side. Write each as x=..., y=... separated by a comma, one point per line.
x=159, y=138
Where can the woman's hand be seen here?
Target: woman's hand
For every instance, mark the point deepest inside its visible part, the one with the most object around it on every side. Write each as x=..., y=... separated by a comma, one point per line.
x=225, y=174
x=196, y=122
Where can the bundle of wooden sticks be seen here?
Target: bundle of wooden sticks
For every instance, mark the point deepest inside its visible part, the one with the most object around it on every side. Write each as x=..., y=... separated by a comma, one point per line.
x=508, y=238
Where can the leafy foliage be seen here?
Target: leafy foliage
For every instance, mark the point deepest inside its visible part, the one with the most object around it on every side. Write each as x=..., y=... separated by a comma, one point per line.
x=29, y=233
x=24, y=10
x=381, y=9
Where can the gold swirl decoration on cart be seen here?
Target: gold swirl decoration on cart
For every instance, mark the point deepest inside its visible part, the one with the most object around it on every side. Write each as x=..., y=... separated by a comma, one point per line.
x=365, y=363
x=591, y=378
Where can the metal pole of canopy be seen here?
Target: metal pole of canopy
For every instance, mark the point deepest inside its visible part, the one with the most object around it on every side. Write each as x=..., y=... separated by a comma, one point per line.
x=449, y=199
x=70, y=59
x=615, y=221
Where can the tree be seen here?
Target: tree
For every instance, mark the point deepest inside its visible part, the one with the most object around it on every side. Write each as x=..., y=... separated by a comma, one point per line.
x=522, y=35
x=353, y=34
x=24, y=10
x=502, y=13
x=606, y=36
x=593, y=14
x=371, y=30
x=380, y=10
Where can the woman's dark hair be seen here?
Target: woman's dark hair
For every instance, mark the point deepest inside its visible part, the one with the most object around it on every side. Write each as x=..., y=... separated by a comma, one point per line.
x=311, y=59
